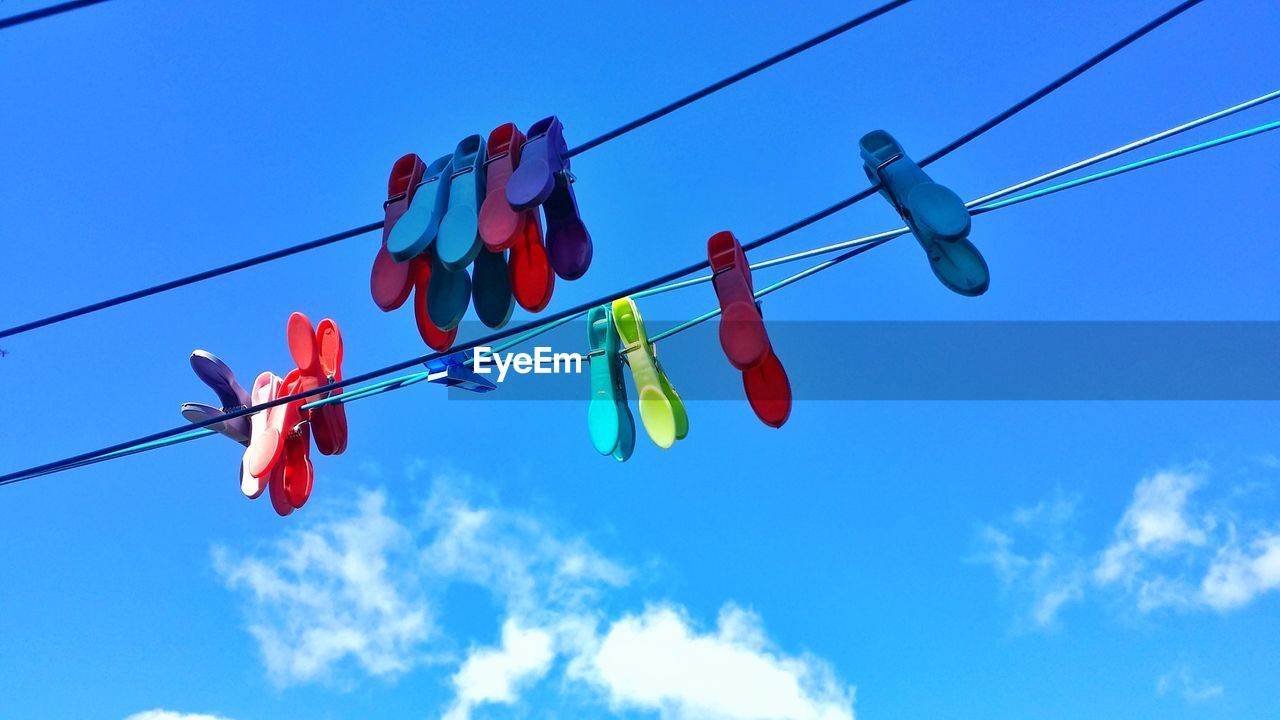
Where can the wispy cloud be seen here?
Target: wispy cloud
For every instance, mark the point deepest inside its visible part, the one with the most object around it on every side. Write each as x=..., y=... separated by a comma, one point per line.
x=329, y=593
x=1047, y=578
x=159, y=714
x=1180, y=681
x=358, y=591
x=1169, y=549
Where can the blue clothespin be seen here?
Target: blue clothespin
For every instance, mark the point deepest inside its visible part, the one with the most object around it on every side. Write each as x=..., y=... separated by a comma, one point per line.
x=935, y=214
x=452, y=371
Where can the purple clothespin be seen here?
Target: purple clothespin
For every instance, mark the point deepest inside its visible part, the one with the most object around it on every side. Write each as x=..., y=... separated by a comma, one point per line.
x=543, y=178
x=231, y=396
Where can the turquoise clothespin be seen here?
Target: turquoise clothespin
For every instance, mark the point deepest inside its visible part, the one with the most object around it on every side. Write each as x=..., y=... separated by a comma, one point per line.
x=417, y=228
x=936, y=215
x=458, y=240
x=613, y=430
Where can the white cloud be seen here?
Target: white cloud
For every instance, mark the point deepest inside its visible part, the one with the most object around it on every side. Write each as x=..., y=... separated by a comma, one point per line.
x=1180, y=681
x=170, y=715
x=495, y=675
x=1236, y=577
x=1166, y=551
x=328, y=593
x=360, y=586
x=538, y=573
x=656, y=661
x=1155, y=524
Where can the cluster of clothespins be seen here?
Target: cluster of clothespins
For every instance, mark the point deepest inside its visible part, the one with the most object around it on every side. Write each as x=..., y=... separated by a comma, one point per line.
x=277, y=441
x=478, y=208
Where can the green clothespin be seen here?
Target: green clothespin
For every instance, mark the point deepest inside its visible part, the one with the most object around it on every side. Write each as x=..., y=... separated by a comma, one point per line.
x=661, y=409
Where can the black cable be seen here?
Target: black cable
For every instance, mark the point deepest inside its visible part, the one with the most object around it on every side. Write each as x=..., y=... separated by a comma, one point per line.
x=50, y=11
x=494, y=337
x=346, y=234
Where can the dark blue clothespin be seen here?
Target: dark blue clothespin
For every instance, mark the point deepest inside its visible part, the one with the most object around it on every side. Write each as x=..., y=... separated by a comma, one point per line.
x=935, y=214
x=453, y=371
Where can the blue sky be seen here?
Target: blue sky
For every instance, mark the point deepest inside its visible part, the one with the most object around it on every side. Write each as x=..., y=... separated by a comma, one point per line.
x=886, y=559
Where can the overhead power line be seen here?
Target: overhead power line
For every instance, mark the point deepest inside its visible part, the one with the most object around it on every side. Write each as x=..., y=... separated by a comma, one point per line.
x=66, y=7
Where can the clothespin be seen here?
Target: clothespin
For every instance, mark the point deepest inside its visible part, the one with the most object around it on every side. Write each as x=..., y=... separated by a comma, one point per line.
x=661, y=409
x=453, y=371
x=532, y=279
x=389, y=282
x=500, y=224
x=491, y=289
x=448, y=295
x=231, y=397
x=434, y=337
x=458, y=240
x=936, y=215
x=502, y=227
x=495, y=283
x=742, y=333
x=278, y=455
x=609, y=420
x=417, y=227
x=543, y=178
x=318, y=354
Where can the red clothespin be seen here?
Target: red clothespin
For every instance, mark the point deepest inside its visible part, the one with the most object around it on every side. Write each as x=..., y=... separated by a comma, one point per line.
x=318, y=353
x=502, y=227
x=278, y=457
x=390, y=281
x=742, y=333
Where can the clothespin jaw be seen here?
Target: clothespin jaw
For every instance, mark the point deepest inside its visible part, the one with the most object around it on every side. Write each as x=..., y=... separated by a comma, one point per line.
x=452, y=371
x=609, y=420
x=936, y=216
x=389, y=283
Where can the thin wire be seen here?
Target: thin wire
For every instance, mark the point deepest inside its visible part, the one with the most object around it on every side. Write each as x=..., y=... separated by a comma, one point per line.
x=1044, y=91
x=24, y=18
x=492, y=338
x=363, y=229
x=190, y=279
x=714, y=87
